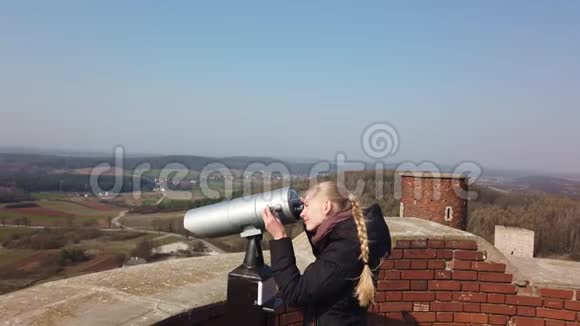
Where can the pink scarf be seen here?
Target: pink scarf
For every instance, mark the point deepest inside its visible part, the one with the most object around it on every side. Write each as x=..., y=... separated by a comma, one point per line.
x=329, y=223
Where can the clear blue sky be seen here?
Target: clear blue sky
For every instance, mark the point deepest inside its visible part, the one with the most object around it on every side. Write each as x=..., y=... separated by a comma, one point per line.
x=497, y=82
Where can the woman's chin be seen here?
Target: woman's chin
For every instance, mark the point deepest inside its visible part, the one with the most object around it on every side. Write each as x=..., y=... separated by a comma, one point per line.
x=310, y=227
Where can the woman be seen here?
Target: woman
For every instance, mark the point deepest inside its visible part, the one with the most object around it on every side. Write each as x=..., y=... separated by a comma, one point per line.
x=338, y=287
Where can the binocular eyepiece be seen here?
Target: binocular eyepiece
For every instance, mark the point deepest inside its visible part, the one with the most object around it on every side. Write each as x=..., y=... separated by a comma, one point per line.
x=244, y=215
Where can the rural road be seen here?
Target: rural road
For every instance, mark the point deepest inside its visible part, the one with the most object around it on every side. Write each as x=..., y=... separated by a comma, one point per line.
x=119, y=226
x=115, y=221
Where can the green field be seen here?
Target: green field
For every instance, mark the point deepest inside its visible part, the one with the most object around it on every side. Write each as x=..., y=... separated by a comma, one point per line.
x=59, y=213
x=48, y=196
x=78, y=210
x=7, y=232
x=10, y=256
x=147, y=220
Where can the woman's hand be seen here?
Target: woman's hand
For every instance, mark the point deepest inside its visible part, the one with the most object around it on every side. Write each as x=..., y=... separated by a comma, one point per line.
x=273, y=225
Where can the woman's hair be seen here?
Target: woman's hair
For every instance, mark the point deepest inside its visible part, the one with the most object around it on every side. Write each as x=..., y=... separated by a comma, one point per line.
x=365, y=290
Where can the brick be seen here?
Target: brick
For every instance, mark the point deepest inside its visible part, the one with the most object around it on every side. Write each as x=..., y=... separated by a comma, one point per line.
x=419, y=253
x=495, y=298
x=419, y=285
x=417, y=275
x=497, y=288
x=418, y=264
x=436, y=264
x=469, y=286
x=423, y=317
x=553, y=304
x=525, y=321
x=402, y=264
x=472, y=307
x=528, y=290
x=395, y=316
x=421, y=306
x=521, y=300
x=469, y=297
x=420, y=244
x=497, y=320
x=461, y=244
x=395, y=306
x=550, y=322
x=488, y=267
x=444, y=285
x=470, y=318
x=461, y=264
x=290, y=309
x=444, y=254
x=443, y=275
x=444, y=316
x=436, y=244
x=291, y=317
x=526, y=311
x=419, y=296
x=387, y=264
x=465, y=275
x=396, y=254
x=498, y=309
x=556, y=314
x=393, y=285
x=443, y=296
x=403, y=244
x=393, y=296
x=467, y=255
x=557, y=293
x=380, y=296
x=447, y=306
x=391, y=275
x=495, y=277
x=572, y=305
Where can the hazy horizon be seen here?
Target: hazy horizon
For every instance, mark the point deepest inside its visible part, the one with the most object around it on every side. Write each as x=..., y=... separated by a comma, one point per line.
x=491, y=82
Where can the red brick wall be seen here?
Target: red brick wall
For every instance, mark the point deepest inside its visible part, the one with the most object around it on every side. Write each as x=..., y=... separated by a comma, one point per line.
x=427, y=198
x=436, y=283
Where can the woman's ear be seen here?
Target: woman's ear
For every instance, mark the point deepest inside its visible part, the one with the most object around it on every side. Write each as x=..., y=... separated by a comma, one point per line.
x=327, y=207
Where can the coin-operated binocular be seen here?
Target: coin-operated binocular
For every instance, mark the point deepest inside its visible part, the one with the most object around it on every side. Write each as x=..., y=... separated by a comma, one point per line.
x=251, y=287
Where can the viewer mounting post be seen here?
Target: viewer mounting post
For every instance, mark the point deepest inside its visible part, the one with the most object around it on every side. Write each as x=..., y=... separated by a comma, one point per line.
x=251, y=294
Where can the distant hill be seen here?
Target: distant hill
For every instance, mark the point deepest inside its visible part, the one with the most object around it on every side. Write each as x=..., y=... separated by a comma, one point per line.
x=535, y=184
x=23, y=163
x=549, y=185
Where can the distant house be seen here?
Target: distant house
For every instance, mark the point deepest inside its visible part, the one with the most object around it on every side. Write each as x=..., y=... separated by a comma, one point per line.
x=171, y=248
x=134, y=261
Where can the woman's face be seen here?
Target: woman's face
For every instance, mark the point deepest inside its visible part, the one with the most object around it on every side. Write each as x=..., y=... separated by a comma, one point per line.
x=316, y=209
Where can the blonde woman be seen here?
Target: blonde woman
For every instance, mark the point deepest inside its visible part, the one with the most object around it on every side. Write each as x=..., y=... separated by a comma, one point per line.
x=338, y=287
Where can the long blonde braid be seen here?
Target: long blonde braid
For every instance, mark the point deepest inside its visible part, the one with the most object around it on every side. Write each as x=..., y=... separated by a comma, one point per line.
x=365, y=289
